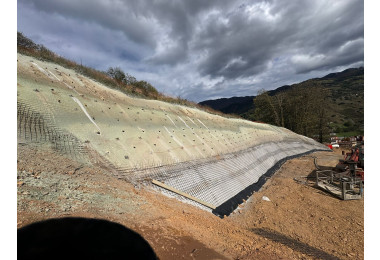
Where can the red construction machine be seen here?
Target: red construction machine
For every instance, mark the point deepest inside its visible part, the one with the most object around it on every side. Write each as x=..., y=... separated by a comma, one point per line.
x=353, y=162
x=346, y=180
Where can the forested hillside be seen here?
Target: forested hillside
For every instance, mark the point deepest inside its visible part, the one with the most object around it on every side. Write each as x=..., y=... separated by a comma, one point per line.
x=342, y=103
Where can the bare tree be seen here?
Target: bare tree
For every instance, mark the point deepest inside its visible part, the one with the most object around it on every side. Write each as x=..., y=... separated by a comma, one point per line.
x=301, y=109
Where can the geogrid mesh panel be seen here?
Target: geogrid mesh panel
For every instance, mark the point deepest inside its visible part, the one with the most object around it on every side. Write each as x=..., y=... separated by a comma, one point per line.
x=219, y=181
x=38, y=128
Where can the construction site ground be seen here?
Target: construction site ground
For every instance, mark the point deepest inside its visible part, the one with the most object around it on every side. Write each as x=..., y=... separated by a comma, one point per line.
x=299, y=221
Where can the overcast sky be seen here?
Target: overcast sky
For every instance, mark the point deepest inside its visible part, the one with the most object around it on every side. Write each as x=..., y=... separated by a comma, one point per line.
x=200, y=49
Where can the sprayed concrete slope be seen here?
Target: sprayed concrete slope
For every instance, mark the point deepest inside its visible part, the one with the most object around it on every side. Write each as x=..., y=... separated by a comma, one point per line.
x=215, y=159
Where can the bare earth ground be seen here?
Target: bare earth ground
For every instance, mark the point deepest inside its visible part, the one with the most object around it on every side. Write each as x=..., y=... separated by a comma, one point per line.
x=299, y=221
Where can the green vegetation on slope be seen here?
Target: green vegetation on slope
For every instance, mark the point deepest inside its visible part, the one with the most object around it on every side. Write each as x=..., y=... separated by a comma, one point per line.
x=114, y=77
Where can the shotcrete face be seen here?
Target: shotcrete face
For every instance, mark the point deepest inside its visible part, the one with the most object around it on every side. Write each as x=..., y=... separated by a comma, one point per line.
x=208, y=156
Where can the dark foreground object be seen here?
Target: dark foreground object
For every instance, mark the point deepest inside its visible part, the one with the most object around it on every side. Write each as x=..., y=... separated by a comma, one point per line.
x=81, y=238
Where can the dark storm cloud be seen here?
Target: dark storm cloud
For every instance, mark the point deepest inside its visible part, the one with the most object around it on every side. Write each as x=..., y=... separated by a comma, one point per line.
x=246, y=42
x=203, y=49
x=114, y=15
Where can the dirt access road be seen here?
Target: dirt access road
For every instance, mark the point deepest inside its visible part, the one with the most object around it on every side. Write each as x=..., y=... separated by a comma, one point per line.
x=299, y=221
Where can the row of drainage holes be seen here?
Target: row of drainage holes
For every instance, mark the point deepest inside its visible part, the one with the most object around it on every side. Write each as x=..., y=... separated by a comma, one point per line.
x=117, y=138
x=134, y=147
x=144, y=131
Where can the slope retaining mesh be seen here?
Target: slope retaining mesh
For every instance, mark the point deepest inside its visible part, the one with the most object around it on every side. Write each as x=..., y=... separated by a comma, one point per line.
x=226, y=181
x=35, y=127
x=217, y=160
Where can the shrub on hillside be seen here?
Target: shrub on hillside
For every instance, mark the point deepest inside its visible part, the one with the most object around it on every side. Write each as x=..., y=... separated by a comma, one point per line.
x=114, y=77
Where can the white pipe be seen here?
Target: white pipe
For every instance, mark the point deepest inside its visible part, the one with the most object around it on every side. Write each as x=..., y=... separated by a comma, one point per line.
x=85, y=111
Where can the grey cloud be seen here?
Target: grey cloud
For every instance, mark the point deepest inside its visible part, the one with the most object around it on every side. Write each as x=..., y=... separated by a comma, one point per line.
x=349, y=53
x=294, y=30
x=115, y=15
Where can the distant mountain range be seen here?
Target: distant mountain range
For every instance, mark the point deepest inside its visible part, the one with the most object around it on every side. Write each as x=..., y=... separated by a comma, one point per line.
x=237, y=105
x=346, y=106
